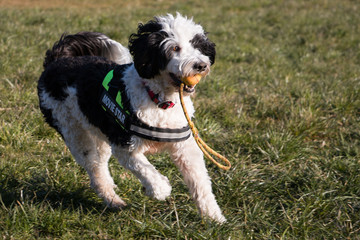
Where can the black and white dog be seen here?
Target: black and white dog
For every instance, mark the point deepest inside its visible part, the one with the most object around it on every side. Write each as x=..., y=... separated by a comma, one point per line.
x=103, y=102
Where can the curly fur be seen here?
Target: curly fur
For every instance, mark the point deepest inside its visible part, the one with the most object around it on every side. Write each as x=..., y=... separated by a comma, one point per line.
x=163, y=50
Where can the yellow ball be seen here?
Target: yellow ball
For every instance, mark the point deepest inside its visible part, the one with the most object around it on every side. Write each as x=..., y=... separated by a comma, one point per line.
x=192, y=80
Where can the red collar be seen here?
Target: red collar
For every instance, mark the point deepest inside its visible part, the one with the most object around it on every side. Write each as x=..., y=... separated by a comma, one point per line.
x=157, y=100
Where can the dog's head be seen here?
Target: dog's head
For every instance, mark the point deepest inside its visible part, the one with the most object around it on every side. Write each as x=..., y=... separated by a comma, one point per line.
x=171, y=48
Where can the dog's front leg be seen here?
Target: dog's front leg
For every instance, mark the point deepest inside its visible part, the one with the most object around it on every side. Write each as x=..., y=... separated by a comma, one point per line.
x=189, y=159
x=156, y=185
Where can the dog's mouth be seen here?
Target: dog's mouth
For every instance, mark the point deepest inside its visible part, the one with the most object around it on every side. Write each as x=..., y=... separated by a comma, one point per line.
x=177, y=82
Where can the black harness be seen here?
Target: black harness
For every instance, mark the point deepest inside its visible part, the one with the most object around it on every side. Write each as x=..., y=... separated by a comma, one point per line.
x=116, y=103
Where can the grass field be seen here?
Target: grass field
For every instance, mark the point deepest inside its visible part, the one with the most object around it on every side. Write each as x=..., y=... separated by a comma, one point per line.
x=282, y=103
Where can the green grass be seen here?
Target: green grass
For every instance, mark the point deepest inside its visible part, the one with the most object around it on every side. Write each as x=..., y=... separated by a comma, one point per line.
x=282, y=103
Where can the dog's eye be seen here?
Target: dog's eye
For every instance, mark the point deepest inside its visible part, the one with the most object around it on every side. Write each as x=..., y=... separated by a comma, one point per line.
x=176, y=48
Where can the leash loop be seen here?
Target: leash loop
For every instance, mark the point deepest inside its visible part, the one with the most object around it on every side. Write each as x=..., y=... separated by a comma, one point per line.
x=208, y=151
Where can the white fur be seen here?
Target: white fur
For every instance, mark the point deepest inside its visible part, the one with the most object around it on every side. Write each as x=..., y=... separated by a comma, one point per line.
x=115, y=51
x=81, y=136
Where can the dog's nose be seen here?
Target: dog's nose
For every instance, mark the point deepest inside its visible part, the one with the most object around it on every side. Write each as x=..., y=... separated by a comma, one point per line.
x=200, y=67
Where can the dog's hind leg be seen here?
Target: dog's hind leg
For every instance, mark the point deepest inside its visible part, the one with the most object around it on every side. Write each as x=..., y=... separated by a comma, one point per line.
x=156, y=185
x=93, y=154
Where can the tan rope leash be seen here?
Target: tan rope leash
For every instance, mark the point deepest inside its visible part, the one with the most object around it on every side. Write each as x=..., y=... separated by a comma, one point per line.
x=202, y=145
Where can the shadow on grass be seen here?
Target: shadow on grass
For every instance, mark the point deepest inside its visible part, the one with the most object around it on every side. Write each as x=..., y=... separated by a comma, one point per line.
x=40, y=190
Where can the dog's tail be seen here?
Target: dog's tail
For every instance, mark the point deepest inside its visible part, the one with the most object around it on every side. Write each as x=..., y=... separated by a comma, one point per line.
x=88, y=44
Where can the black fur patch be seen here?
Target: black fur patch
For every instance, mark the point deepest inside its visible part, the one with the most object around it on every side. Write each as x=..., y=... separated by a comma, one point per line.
x=205, y=46
x=80, y=44
x=86, y=75
x=145, y=47
x=56, y=79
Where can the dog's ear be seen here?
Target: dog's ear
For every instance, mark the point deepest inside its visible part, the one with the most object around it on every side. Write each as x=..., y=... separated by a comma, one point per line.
x=145, y=47
x=205, y=46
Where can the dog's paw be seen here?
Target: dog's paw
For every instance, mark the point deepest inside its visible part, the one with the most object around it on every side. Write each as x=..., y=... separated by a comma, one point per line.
x=219, y=218
x=115, y=202
x=209, y=208
x=161, y=190
x=214, y=216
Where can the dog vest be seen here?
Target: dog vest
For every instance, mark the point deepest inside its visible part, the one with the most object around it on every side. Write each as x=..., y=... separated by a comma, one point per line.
x=116, y=103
